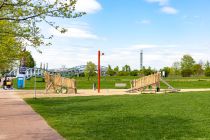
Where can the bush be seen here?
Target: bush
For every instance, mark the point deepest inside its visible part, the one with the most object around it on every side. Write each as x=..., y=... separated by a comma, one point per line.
x=186, y=72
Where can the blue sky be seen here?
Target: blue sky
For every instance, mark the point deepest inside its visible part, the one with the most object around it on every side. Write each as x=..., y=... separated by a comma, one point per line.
x=164, y=29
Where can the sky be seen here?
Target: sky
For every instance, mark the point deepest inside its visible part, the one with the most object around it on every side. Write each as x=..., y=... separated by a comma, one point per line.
x=164, y=29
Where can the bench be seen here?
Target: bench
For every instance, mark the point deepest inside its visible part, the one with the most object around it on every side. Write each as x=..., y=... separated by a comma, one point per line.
x=120, y=85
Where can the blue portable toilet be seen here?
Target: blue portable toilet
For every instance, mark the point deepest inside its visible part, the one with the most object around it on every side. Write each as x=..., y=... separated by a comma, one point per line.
x=21, y=81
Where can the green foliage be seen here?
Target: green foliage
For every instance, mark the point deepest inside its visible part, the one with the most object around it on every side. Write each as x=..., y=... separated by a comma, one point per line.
x=183, y=116
x=29, y=13
x=123, y=73
x=207, y=65
x=175, y=69
x=10, y=46
x=147, y=71
x=116, y=69
x=187, y=62
x=134, y=73
x=197, y=69
x=110, y=71
x=186, y=72
x=29, y=59
x=126, y=68
x=166, y=70
x=90, y=69
x=207, y=72
x=207, y=69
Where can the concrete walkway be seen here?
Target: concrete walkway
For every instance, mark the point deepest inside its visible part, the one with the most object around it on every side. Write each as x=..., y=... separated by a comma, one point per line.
x=19, y=122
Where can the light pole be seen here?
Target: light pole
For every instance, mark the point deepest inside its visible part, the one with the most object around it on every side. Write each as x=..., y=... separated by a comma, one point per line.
x=99, y=70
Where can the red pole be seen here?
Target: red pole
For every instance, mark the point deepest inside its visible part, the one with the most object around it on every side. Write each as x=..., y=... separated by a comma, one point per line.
x=99, y=71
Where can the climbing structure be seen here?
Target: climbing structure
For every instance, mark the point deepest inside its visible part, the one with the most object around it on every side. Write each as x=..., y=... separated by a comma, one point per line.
x=151, y=82
x=59, y=84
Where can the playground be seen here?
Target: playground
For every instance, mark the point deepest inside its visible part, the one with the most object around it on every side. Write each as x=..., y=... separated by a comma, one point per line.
x=148, y=107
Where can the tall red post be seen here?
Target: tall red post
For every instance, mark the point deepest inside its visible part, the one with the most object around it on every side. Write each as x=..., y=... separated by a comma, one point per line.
x=99, y=71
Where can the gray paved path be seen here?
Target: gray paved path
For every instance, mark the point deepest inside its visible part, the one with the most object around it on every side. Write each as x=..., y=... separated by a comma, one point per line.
x=19, y=122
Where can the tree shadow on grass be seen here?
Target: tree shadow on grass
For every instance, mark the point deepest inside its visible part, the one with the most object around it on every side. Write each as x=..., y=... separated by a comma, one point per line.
x=141, y=128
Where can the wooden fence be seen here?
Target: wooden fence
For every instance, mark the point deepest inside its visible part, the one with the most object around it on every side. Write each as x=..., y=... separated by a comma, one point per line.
x=145, y=82
x=60, y=84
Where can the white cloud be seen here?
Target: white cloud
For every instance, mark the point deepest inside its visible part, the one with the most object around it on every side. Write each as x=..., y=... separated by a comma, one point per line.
x=160, y=2
x=169, y=10
x=75, y=33
x=145, y=21
x=165, y=8
x=88, y=6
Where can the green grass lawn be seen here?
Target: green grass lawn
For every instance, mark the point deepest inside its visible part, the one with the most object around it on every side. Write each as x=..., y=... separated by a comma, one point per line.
x=140, y=117
x=109, y=82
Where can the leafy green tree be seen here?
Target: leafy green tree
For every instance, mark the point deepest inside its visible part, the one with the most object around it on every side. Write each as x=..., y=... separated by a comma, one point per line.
x=10, y=47
x=186, y=72
x=29, y=60
x=134, y=73
x=207, y=69
x=176, y=68
x=187, y=63
x=197, y=69
x=116, y=70
x=126, y=68
x=29, y=13
x=110, y=71
x=90, y=69
x=20, y=25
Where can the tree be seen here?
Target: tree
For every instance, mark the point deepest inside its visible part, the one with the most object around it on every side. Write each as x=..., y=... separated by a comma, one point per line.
x=166, y=70
x=176, y=68
x=147, y=71
x=20, y=25
x=134, y=73
x=187, y=63
x=207, y=69
x=10, y=47
x=116, y=70
x=29, y=13
x=197, y=69
x=110, y=71
x=126, y=68
x=29, y=60
x=90, y=69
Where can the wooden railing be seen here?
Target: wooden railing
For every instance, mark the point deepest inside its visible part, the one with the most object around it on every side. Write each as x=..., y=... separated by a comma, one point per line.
x=60, y=84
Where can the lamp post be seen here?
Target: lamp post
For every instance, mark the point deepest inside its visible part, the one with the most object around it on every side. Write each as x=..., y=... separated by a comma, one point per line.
x=99, y=70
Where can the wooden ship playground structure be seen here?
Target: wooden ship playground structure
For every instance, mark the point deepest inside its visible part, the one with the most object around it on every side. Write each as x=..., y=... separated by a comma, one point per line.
x=150, y=83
